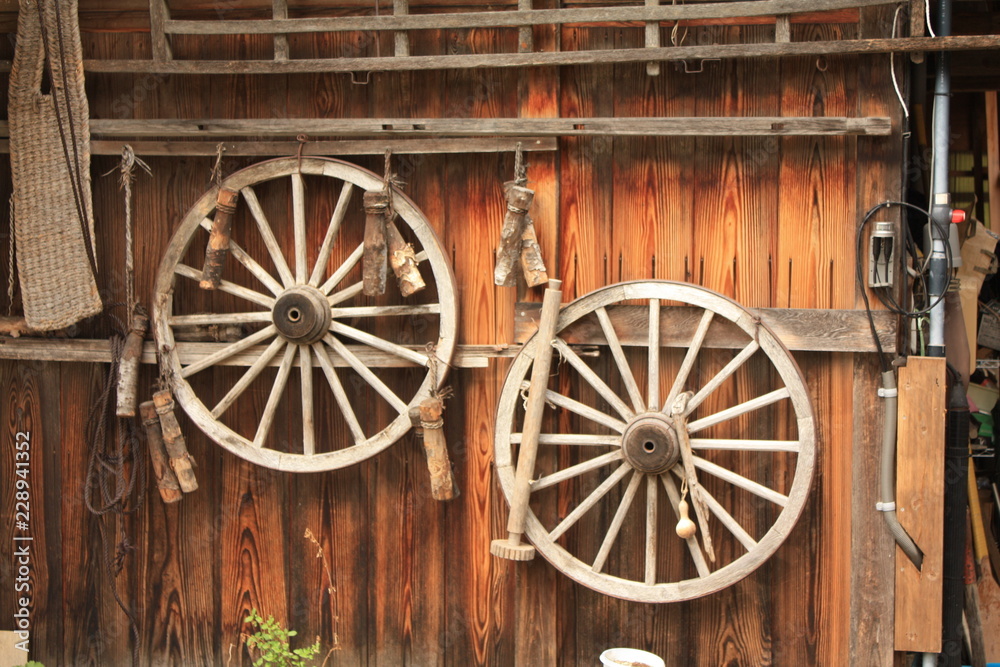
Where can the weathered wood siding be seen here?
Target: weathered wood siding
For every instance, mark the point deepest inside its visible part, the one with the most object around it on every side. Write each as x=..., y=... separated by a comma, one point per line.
x=768, y=221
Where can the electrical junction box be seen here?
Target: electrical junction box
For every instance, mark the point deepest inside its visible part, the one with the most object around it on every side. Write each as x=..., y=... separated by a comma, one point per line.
x=881, y=255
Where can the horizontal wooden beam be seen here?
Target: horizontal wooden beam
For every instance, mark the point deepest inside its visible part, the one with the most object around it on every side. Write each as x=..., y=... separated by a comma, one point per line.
x=99, y=351
x=321, y=148
x=812, y=330
x=550, y=58
x=497, y=19
x=537, y=127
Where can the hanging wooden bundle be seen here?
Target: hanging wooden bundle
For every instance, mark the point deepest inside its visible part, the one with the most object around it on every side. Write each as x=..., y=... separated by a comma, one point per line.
x=374, y=263
x=429, y=421
x=50, y=168
x=218, y=241
x=166, y=480
x=128, y=365
x=531, y=256
x=173, y=441
x=403, y=261
x=518, y=242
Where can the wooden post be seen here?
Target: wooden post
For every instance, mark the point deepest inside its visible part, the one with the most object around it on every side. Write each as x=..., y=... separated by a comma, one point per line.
x=430, y=424
x=218, y=241
x=531, y=256
x=173, y=441
x=917, y=24
x=993, y=158
x=376, y=211
x=511, y=547
x=279, y=10
x=652, y=39
x=166, y=481
x=783, y=28
x=525, y=38
x=401, y=37
x=159, y=14
x=128, y=366
x=403, y=261
x=509, y=251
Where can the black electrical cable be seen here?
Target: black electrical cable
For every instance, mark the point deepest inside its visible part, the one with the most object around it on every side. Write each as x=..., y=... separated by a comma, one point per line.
x=883, y=294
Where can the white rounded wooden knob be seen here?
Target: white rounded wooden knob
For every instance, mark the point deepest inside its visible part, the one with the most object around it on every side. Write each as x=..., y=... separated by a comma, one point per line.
x=686, y=528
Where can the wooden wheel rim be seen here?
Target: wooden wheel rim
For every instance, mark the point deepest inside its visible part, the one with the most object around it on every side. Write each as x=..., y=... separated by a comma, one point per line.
x=784, y=364
x=200, y=414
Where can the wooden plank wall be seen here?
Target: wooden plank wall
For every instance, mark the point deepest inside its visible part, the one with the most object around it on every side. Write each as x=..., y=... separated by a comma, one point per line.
x=363, y=558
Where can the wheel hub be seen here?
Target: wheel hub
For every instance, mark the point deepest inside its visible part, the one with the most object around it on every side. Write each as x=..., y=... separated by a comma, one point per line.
x=302, y=315
x=649, y=444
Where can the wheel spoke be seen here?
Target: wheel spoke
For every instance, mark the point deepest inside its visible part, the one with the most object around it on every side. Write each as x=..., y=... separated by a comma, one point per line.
x=722, y=375
x=248, y=376
x=221, y=318
x=737, y=410
x=228, y=287
x=576, y=470
x=654, y=354
x=579, y=408
x=299, y=227
x=727, y=520
x=339, y=211
x=250, y=263
x=735, y=444
x=619, y=354
x=342, y=270
x=339, y=394
x=617, y=521
x=229, y=350
x=603, y=390
x=308, y=423
x=273, y=248
x=379, y=343
x=574, y=440
x=386, y=311
x=739, y=480
x=590, y=501
x=651, y=502
x=700, y=564
x=267, y=417
x=346, y=293
x=367, y=375
x=689, y=359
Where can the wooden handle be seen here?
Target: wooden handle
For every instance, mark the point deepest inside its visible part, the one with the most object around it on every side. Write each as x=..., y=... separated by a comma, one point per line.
x=218, y=241
x=375, y=259
x=531, y=256
x=166, y=480
x=403, y=261
x=509, y=251
x=442, y=478
x=174, y=443
x=128, y=366
x=536, y=406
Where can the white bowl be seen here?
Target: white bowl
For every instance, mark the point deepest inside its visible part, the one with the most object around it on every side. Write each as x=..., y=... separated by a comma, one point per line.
x=630, y=657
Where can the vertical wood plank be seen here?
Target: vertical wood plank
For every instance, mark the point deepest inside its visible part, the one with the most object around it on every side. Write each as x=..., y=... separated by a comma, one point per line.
x=993, y=157
x=920, y=502
x=279, y=10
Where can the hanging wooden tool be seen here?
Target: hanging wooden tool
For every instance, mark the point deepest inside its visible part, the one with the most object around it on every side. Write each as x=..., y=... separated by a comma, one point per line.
x=128, y=365
x=218, y=241
x=166, y=480
x=173, y=441
x=50, y=169
x=428, y=419
x=518, y=242
x=384, y=245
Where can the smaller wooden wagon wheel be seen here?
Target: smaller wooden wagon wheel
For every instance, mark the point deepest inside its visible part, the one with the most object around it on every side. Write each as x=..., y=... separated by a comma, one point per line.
x=642, y=432
x=301, y=312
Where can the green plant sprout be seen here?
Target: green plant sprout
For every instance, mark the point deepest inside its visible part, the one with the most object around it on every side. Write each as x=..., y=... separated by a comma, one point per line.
x=271, y=642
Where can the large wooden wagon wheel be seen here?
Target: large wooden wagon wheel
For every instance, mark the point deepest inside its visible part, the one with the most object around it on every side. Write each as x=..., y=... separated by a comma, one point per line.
x=301, y=312
x=639, y=426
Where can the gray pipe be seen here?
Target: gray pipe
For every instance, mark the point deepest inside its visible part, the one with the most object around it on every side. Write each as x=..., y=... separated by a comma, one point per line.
x=887, y=479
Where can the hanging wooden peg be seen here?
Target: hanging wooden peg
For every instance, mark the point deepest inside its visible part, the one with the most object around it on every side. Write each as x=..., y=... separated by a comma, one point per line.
x=128, y=365
x=374, y=266
x=166, y=480
x=428, y=419
x=518, y=241
x=218, y=241
x=403, y=261
x=173, y=441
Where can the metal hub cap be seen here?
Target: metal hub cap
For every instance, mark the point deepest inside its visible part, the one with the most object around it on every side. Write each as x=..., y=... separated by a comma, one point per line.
x=302, y=315
x=649, y=444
